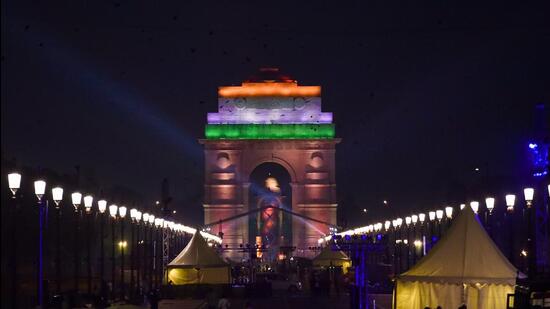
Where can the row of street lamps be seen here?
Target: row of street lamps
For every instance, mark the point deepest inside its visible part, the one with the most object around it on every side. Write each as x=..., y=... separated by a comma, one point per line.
x=435, y=214
x=153, y=228
x=434, y=220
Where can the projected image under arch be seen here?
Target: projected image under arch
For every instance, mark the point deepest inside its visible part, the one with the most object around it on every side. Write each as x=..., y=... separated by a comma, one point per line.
x=271, y=228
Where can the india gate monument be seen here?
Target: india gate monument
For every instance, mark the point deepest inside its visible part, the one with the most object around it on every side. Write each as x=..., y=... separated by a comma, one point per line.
x=270, y=167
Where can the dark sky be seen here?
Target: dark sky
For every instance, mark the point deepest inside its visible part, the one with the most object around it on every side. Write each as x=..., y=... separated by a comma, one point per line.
x=421, y=94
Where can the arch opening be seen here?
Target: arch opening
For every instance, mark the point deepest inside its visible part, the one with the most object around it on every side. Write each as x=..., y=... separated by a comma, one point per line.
x=270, y=229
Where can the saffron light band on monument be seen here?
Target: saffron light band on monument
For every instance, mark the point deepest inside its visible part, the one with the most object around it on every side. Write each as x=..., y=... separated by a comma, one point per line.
x=284, y=89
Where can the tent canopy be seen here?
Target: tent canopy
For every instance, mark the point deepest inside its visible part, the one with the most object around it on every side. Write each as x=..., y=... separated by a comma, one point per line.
x=328, y=257
x=327, y=254
x=197, y=254
x=466, y=254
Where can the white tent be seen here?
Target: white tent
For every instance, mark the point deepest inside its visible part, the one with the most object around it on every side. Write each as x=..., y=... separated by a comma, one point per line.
x=198, y=263
x=329, y=257
x=464, y=267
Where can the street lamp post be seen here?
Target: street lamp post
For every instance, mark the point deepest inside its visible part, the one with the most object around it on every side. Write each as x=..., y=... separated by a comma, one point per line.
x=449, y=214
x=475, y=206
x=155, y=252
x=510, y=201
x=166, y=237
x=151, y=250
x=490, y=204
x=14, y=183
x=431, y=216
x=39, y=190
x=439, y=216
x=398, y=242
x=76, y=199
x=531, y=250
x=387, y=227
x=158, y=223
x=113, y=209
x=133, y=247
x=88, y=202
x=145, y=246
x=138, y=253
x=422, y=218
x=102, y=207
x=122, y=214
x=408, y=248
x=57, y=194
x=414, y=219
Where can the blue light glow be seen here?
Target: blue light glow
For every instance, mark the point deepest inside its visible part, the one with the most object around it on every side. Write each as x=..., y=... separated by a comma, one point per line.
x=539, y=158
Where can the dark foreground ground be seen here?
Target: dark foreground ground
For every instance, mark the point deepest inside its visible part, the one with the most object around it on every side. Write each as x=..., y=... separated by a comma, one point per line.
x=276, y=301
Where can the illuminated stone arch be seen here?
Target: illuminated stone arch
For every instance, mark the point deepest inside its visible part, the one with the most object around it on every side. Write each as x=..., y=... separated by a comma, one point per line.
x=270, y=120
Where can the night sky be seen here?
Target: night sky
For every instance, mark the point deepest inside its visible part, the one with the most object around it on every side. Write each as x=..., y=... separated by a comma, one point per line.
x=421, y=95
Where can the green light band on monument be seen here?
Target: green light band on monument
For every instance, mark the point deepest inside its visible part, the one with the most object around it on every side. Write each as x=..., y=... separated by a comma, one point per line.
x=269, y=131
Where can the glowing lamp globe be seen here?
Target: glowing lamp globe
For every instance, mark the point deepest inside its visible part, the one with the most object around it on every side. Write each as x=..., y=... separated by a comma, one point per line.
x=399, y=222
x=475, y=206
x=462, y=206
x=138, y=216
x=408, y=220
x=57, y=195
x=490, y=203
x=102, y=206
x=439, y=214
x=387, y=225
x=151, y=219
x=14, y=182
x=113, y=209
x=88, y=202
x=76, y=199
x=39, y=188
x=422, y=217
x=146, y=217
x=510, y=201
x=122, y=211
x=414, y=219
x=449, y=212
x=431, y=214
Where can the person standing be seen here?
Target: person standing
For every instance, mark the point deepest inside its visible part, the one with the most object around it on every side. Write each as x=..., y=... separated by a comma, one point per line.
x=224, y=303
